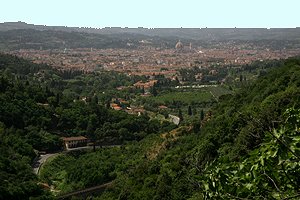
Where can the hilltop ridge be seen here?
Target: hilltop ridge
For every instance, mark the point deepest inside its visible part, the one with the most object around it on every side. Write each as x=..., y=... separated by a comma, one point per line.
x=188, y=33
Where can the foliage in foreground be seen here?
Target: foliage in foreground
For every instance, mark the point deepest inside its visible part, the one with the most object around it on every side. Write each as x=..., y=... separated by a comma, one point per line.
x=235, y=154
x=271, y=171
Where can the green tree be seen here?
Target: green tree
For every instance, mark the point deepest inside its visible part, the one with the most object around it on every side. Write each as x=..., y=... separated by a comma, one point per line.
x=91, y=127
x=190, y=113
x=180, y=115
x=201, y=114
x=154, y=90
x=143, y=90
x=273, y=165
x=95, y=100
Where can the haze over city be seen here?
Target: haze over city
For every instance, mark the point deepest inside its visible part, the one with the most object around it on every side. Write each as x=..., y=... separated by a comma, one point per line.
x=155, y=13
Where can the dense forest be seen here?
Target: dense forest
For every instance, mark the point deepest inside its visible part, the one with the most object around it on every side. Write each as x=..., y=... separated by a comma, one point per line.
x=34, y=118
x=245, y=147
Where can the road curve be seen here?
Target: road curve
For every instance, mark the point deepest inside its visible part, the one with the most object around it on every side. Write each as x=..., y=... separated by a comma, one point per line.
x=38, y=162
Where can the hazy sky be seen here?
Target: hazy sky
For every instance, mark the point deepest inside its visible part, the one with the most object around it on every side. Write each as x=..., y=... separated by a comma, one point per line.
x=154, y=13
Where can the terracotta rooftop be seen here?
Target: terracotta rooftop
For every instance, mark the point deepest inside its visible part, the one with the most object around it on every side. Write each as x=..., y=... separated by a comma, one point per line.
x=74, y=138
x=162, y=107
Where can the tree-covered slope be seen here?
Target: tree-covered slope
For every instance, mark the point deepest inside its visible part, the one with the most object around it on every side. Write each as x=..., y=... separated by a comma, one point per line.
x=240, y=120
x=247, y=146
x=35, y=112
x=58, y=39
x=254, y=131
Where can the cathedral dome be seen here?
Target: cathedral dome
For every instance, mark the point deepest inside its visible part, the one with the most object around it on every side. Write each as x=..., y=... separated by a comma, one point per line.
x=179, y=45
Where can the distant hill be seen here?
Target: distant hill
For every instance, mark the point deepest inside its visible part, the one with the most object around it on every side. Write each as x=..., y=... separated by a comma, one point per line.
x=187, y=33
x=19, y=35
x=58, y=39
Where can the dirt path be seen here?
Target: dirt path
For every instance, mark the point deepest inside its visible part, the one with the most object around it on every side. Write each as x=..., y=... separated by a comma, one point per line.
x=170, y=136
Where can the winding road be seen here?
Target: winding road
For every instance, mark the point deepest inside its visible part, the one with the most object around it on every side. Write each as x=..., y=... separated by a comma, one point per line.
x=38, y=162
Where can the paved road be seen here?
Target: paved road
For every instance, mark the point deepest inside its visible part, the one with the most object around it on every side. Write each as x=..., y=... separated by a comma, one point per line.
x=40, y=160
x=43, y=158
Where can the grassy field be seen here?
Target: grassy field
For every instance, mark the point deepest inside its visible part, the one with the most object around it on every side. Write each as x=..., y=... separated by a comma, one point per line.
x=188, y=96
x=184, y=97
x=219, y=91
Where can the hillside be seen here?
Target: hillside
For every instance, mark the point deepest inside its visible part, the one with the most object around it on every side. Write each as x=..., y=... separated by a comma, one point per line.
x=36, y=39
x=19, y=35
x=248, y=148
x=39, y=105
x=187, y=33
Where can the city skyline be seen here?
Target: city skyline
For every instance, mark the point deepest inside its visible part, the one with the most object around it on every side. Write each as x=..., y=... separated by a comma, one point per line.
x=154, y=14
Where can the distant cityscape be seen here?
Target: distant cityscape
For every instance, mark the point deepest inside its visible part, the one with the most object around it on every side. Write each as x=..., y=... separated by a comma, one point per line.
x=143, y=51
x=153, y=61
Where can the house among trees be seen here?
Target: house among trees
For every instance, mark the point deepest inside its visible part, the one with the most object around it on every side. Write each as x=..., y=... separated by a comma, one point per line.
x=146, y=85
x=174, y=119
x=73, y=142
x=115, y=106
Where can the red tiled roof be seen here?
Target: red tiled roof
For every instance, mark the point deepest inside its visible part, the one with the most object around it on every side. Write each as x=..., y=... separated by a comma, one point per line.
x=74, y=138
x=162, y=107
x=117, y=108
